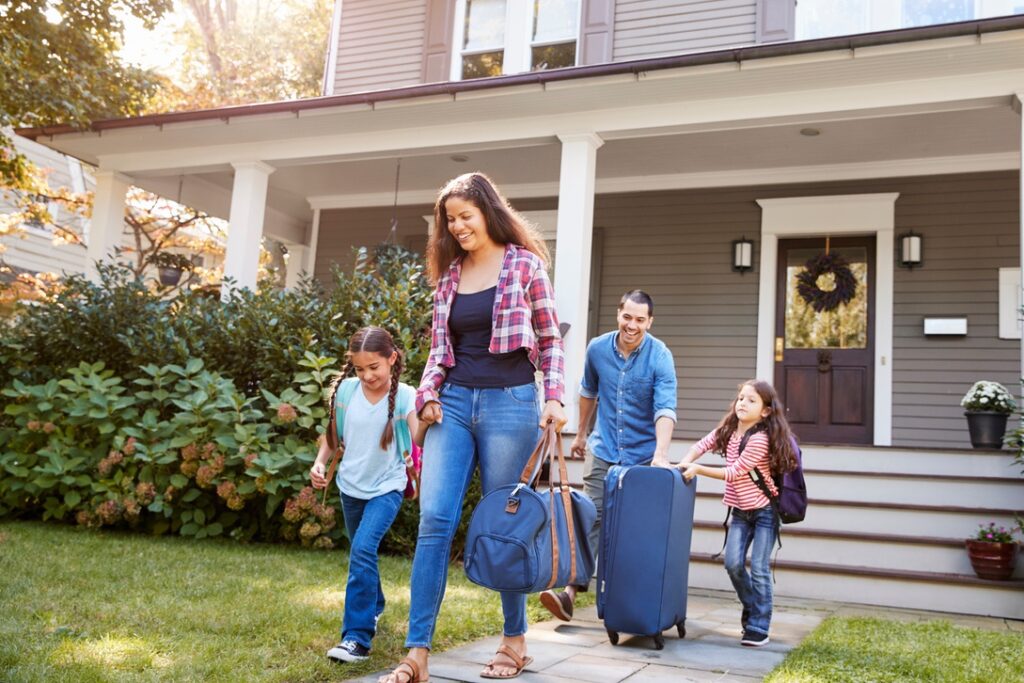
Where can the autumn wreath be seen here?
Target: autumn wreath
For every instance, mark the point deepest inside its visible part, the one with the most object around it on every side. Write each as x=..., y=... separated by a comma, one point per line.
x=826, y=282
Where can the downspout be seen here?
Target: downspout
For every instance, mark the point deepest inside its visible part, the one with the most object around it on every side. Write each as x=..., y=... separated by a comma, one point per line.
x=331, y=66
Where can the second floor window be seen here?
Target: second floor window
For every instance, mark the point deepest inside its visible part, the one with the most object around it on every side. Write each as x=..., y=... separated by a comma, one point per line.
x=824, y=18
x=497, y=37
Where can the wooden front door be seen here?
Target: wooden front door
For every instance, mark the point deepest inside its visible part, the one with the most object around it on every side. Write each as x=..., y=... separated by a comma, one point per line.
x=824, y=359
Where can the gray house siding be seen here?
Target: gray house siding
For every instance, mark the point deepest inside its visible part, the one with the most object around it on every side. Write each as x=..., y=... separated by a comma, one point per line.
x=380, y=45
x=654, y=28
x=676, y=245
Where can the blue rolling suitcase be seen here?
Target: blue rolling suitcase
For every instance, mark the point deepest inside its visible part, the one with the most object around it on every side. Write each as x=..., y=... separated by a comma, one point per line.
x=644, y=560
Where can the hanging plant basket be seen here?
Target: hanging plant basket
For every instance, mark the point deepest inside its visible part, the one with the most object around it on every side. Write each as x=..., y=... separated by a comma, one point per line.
x=826, y=282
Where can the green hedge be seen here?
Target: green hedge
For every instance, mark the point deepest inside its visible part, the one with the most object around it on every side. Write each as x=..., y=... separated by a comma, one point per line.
x=193, y=416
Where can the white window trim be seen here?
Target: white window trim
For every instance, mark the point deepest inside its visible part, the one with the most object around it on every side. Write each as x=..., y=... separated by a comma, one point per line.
x=517, y=47
x=1009, y=303
x=860, y=214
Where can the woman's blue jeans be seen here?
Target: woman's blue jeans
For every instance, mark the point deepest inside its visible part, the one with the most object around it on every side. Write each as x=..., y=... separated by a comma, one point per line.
x=366, y=522
x=753, y=530
x=495, y=429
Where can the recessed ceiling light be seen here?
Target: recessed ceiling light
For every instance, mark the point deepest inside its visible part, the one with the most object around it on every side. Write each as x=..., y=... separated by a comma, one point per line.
x=459, y=158
x=809, y=132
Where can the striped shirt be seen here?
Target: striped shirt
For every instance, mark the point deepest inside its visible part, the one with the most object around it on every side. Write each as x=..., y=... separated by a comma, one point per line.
x=740, y=491
x=523, y=318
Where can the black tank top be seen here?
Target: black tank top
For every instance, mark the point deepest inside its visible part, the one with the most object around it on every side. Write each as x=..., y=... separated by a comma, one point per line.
x=470, y=324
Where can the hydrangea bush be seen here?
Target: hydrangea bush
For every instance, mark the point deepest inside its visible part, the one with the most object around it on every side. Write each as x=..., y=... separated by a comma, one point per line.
x=193, y=416
x=988, y=396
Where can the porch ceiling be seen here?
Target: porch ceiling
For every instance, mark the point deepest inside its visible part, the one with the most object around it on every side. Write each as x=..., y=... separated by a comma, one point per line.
x=685, y=159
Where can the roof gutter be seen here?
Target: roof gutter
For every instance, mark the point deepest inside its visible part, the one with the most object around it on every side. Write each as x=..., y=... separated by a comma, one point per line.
x=452, y=88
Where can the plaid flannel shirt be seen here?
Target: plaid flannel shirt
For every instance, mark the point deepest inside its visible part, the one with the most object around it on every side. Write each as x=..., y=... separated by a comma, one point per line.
x=523, y=317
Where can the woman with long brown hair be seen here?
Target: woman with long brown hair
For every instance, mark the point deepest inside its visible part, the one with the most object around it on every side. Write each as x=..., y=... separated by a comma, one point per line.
x=494, y=326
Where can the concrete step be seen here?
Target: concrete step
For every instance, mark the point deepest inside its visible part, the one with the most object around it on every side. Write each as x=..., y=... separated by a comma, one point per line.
x=879, y=551
x=941, y=592
x=980, y=463
x=910, y=489
x=880, y=518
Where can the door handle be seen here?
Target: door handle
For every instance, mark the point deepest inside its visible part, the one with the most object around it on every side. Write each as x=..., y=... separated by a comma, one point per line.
x=779, y=345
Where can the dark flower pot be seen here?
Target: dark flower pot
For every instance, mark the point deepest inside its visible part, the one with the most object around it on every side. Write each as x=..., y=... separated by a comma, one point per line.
x=992, y=560
x=987, y=428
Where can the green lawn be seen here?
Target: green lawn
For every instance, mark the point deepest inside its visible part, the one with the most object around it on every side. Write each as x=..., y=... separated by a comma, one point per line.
x=78, y=605
x=82, y=605
x=855, y=650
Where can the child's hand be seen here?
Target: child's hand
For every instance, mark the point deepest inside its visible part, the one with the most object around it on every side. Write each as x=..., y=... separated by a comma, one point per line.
x=689, y=470
x=431, y=413
x=317, y=475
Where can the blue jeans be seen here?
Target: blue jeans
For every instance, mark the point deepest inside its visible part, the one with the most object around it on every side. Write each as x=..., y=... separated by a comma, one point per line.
x=366, y=522
x=752, y=530
x=495, y=429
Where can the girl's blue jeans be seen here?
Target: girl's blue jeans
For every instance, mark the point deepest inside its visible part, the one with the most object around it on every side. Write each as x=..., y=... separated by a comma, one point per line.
x=495, y=429
x=752, y=530
x=366, y=522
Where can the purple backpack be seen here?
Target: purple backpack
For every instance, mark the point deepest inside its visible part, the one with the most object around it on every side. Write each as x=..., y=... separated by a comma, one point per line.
x=791, y=503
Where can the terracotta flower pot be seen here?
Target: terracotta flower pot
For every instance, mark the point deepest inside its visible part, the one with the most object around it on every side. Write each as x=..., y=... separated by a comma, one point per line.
x=992, y=560
x=987, y=428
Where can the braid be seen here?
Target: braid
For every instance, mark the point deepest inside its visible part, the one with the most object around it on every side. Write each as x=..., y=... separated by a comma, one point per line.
x=396, y=372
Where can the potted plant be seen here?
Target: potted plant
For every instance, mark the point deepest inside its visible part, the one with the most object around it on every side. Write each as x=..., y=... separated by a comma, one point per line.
x=993, y=552
x=988, y=405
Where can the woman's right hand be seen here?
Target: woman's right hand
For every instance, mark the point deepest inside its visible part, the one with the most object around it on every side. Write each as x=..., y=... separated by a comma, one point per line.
x=318, y=476
x=431, y=413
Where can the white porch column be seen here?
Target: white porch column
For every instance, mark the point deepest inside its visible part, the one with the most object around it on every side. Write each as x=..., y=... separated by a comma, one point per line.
x=296, y=265
x=574, y=239
x=248, y=205
x=309, y=265
x=106, y=228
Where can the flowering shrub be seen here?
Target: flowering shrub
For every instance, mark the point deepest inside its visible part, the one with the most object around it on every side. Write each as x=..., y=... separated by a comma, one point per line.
x=191, y=416
x=991, y=533
x=988, y=396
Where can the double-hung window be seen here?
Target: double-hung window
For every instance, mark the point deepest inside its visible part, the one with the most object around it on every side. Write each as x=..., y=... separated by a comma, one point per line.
x=824, y=18
x=495, y=37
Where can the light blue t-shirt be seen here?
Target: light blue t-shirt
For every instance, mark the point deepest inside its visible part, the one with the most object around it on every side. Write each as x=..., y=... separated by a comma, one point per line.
x=366, y=470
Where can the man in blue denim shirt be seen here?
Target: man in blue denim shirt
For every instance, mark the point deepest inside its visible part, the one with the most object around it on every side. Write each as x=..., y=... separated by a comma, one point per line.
x=630, y=377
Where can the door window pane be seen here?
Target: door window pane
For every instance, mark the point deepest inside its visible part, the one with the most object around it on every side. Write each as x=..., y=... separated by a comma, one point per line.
x=485, y=25
x=846, y=327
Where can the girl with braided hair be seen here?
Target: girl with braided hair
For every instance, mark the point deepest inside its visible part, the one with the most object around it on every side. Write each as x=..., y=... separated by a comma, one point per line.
x=372, y=475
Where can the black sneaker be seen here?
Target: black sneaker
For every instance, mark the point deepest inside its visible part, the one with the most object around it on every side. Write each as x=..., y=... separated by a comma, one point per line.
x=754, y=639
x=348, y=651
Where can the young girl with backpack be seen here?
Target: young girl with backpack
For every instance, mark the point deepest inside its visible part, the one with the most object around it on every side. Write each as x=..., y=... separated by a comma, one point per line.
x=372, y=415
x=756, y=440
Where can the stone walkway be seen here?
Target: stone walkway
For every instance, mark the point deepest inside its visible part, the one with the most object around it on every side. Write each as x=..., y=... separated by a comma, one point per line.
x=580, y=651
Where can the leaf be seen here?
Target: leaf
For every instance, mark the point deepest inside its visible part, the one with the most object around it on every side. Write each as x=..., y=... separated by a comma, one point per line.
x=214, y=529
x=199, y=516
x=72, y=499
x=191, y=495
x=179, y=481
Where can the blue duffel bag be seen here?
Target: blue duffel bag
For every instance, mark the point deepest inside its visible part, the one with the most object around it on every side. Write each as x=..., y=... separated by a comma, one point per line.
x=519, y=540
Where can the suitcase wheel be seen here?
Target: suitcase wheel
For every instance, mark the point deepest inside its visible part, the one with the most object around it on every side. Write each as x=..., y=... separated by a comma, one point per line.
x=613, y=636
x=659, y=641
x=681, y=629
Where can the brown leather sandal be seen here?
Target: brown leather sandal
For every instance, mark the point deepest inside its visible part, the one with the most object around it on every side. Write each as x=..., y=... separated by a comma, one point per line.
x=520, y=663
x=410, y=669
